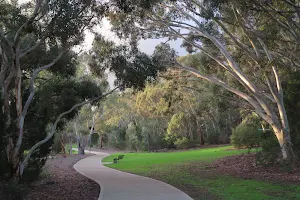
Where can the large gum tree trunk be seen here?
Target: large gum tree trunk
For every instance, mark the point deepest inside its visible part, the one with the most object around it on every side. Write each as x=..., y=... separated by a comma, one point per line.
x=284, y=140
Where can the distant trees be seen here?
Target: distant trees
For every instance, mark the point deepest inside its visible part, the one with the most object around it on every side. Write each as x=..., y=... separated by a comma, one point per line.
x=81, y=128
x=172, y=112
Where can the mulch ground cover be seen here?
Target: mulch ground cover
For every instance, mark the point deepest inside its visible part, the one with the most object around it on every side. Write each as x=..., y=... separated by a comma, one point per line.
x=244, y=166
x=60, y=181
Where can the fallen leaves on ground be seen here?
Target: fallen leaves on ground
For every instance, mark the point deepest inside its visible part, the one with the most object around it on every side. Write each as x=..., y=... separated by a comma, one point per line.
x=245, y=166
x=60, y=181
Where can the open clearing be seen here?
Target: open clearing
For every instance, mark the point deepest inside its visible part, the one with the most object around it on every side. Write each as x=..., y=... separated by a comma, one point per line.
x=192, y=172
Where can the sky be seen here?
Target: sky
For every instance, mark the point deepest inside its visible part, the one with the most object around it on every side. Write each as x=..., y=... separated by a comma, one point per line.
x=147, y=46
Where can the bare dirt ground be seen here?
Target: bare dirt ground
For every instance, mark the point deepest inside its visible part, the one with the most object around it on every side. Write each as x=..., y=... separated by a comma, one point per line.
x=61, y=181
x=245, y=166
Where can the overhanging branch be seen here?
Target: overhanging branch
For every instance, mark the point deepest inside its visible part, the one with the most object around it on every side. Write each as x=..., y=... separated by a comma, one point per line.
x=52, y=132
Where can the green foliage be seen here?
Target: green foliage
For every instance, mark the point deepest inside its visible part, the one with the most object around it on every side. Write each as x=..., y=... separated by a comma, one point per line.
x=56, y=27
x=132, y=141
x=170, y=140
x=151, y=101
x=131, y=67
x=270, y=149
x=270, y=153
x=166, y=111
x=246, y=134
x=95, y=139
x=56, y=147
x=175, y=124
x=227, y=47
x=116, y=138
x=181, y=143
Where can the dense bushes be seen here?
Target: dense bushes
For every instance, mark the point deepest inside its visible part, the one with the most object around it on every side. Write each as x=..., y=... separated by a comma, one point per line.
x=116, y=138
x=245, y=135
x=185, y=143
x=270, y=149
x=95, y=139
x=182, y=143
x=248, y=135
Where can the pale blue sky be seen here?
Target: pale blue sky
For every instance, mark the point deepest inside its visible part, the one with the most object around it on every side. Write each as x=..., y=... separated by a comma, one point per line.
x=148, y=46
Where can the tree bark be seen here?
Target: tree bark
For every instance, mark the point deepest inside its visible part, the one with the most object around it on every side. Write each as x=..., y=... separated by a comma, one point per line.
x=284, y=140
x=81, y=149
x=62, y=144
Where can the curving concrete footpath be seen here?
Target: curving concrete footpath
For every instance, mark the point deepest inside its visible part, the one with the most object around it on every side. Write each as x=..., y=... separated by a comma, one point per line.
x=117, y=185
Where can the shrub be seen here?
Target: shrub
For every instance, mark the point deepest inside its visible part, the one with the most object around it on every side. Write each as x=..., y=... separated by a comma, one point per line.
x=213, y=136
x=245, y=135
x=170, y=140
x=182, y=143
x=95, y=139
x=270, y=149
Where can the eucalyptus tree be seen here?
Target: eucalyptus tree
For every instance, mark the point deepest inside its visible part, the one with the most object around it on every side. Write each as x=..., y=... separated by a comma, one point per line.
x=245, y=41
x=36, y=38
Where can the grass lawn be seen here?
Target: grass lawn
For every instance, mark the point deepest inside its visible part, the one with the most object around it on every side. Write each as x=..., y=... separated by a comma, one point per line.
x=191, y=172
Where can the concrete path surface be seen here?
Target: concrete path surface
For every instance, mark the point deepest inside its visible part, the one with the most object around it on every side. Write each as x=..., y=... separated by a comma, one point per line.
x=117, y=185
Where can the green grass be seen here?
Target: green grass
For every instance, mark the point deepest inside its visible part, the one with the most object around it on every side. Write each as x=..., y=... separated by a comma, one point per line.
x=143, y=162
x=190, y=171
x=74, y=145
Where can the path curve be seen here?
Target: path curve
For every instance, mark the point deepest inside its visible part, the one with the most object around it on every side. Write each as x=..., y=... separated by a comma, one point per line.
x=117, y=185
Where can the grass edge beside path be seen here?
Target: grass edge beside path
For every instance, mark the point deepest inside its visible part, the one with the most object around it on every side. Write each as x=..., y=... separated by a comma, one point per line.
x=192, y=172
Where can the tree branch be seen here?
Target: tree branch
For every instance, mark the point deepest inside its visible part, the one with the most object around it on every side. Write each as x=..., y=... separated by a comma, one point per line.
x=34, y=14
x=48, y=137
x=29, y=50
x=28, y=102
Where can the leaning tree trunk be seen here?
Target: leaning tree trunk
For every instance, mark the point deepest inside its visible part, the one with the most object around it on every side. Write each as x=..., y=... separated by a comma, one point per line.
x=284, y=140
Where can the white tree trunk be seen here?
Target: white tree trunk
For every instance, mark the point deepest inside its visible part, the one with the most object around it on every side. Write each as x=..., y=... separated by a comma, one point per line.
x=273, y=113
